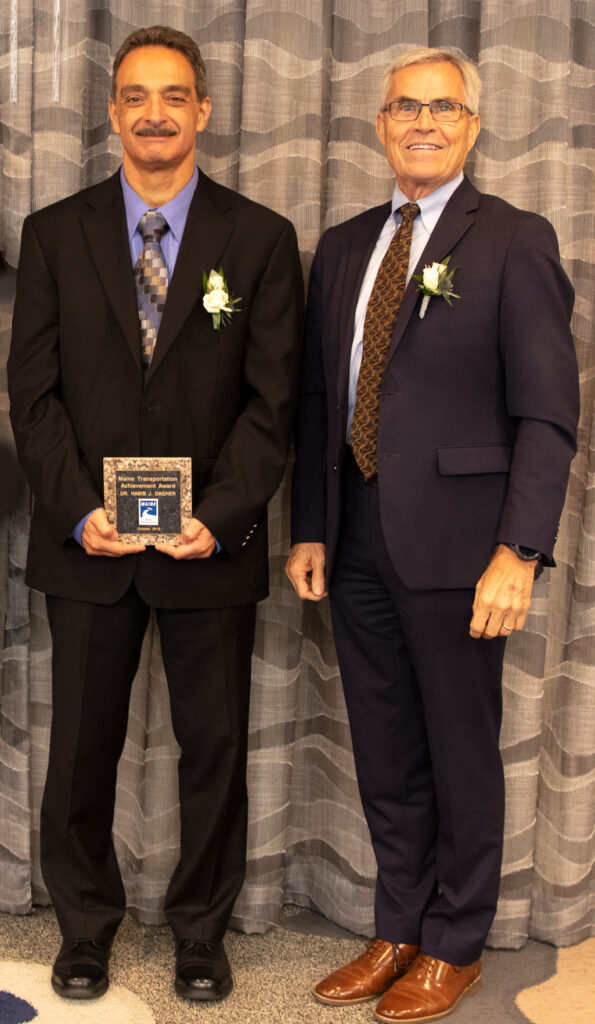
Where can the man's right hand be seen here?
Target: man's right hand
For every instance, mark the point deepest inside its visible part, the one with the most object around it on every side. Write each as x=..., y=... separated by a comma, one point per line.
x=101, y=538
x=305, y=570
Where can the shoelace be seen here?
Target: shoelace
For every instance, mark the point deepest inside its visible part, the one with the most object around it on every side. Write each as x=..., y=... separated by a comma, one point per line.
x=98, y=943
x=429, y=963
x=374, y=949
x=190, y=944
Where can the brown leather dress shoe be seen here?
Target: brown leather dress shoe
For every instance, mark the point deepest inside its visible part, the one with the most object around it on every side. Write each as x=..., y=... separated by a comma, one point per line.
x=368, y=976
x=430, y=989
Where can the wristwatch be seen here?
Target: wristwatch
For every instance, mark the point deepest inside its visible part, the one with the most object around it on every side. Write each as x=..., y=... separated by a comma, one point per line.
x=525, y=554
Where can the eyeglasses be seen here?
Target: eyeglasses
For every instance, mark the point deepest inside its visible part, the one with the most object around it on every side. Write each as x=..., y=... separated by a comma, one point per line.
x=444, y=111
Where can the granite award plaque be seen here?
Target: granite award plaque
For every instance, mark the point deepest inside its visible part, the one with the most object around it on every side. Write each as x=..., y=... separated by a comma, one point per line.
x=148, y=500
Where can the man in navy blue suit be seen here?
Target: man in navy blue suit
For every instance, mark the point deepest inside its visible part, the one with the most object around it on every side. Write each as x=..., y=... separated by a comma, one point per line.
x=430, y=474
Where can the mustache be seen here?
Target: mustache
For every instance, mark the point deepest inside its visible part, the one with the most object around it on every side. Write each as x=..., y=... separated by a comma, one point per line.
x=150, y=132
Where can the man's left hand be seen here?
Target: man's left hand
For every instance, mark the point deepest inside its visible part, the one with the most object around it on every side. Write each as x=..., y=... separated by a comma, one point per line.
x=196, y=541
x=503, y=595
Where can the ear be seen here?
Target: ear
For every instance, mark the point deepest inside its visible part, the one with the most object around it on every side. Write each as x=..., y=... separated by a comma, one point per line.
x=204, y=113
x=380, y=129
x=474, y=128
x=111, y=106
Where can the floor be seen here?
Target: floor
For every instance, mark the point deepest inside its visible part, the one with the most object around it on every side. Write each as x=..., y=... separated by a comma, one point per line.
x=274, y=974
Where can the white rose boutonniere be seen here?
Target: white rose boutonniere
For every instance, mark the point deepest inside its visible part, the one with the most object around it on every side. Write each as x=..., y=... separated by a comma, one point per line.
x=436, y=280
x=217, y=299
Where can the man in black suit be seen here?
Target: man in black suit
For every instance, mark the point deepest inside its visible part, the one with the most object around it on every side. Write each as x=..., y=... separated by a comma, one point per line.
x=459, y=414
x=219, y=392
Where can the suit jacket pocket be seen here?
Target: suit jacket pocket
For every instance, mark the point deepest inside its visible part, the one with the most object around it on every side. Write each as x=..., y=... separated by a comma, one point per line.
x=471, y=458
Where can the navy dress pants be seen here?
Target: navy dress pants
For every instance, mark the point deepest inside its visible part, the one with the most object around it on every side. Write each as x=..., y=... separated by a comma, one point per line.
x=424, y=704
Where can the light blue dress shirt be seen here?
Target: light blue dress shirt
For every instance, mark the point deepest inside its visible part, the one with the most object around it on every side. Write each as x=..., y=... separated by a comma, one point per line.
x=430, y=208
x=176, y=215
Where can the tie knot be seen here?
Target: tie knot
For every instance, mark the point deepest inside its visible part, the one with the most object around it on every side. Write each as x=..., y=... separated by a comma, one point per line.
x=409, y=212
x=152, y=226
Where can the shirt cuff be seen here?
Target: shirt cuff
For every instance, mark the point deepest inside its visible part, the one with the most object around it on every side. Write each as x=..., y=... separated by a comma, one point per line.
x=77, y=533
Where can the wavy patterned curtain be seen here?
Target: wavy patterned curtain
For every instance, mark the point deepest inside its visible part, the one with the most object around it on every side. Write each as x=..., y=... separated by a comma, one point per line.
x=295, y=86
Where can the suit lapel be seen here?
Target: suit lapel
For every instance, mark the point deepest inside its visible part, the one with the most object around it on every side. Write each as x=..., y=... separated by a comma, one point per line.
x=457, y=217
x=207, y=231
x=205, y=235
x=104, y=223
x=359, y=248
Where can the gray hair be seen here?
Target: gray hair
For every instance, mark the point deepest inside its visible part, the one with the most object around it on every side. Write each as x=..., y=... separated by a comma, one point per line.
x=429, y=55
x=162, y=35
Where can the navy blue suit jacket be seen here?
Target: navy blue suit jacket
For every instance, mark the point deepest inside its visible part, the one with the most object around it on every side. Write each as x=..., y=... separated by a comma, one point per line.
x=479, y=400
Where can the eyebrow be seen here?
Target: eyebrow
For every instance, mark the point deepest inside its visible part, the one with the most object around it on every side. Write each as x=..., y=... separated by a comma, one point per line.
x=126, y=89
x=412, y=99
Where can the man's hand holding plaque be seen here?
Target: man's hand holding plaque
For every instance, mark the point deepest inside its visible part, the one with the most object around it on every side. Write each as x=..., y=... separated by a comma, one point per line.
x=148, y=501
x=101, y=538
x=196, y=541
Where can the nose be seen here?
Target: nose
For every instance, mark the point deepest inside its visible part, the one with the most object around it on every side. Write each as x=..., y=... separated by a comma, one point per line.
x=425, y=121
x=154, y=111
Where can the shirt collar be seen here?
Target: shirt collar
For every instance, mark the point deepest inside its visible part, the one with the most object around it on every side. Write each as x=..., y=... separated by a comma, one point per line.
x=430, y=206
x=175, y=212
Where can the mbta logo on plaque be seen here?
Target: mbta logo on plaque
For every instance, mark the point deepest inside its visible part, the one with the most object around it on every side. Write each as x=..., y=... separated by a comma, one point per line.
x=148, y=512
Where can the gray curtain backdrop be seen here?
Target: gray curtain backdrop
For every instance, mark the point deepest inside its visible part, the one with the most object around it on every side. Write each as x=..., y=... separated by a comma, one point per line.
x=295, y=89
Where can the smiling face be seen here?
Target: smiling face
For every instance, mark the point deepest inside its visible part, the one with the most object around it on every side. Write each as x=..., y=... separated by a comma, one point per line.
x=422, y=153
x=157, y=113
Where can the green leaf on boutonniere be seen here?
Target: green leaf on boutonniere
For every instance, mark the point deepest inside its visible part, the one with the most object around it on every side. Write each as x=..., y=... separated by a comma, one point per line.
x=436, y=279
x=217, y=299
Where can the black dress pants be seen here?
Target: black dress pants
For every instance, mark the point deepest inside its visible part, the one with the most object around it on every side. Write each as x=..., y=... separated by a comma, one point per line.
x=96, y=650
x=424, y=706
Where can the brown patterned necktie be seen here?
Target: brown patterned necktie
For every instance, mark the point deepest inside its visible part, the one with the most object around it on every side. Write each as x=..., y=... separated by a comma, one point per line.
x=381, y=316
x=150, y=275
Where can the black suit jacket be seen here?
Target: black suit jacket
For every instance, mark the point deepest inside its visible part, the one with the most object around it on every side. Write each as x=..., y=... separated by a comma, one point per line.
x=226, y=398
x=479, y=400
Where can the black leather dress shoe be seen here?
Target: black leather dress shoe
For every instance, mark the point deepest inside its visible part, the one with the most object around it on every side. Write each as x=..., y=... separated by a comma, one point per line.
x=202, y=970
x=80, y=970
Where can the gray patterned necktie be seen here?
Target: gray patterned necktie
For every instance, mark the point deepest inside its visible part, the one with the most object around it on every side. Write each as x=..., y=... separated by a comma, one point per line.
x=381, y=316
x=150, y=275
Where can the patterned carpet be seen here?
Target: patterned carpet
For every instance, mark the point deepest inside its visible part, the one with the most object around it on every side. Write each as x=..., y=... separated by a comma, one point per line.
x=274, y=975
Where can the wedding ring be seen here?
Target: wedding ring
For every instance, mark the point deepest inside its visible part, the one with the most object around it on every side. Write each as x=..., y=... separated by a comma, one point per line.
x=504, y=626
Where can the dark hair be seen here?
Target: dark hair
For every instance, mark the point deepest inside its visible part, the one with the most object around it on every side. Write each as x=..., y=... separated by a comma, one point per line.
x=162, y=35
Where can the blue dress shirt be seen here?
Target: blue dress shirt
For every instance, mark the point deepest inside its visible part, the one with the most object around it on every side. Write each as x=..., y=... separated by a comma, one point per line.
x=430, y=208
x=176, y=215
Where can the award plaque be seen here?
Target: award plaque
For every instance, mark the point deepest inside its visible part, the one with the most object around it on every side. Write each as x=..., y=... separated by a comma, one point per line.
x=148, y=500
